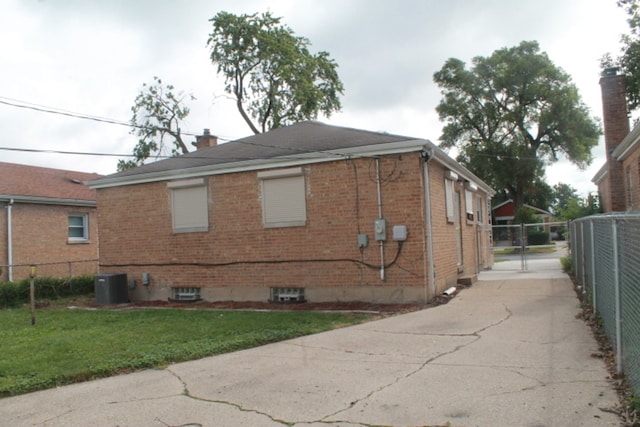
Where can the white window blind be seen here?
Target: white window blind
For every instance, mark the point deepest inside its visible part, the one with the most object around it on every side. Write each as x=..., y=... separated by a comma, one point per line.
x=189, y=206
x=448, y=193
x=283, y=198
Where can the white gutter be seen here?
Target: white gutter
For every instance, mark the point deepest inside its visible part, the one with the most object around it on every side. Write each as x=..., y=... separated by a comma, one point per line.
x=9, y=241
x=47, y=200
x=431, y=285
x=401, y=147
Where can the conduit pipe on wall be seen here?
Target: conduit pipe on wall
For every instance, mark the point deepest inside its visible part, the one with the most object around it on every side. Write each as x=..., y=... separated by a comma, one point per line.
x=381, y=243
x=431, y=290
x=10, y=241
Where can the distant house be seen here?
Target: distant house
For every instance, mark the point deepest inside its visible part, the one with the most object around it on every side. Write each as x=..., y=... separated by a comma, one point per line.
x=309, y=211
x=618, y=180
x=504, y=214
x=48, y=219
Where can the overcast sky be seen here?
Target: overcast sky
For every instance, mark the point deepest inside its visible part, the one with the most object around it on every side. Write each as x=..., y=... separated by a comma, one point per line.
x=92, y=56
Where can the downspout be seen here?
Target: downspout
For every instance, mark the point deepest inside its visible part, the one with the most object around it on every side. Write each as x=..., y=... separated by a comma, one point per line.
x=431, y=290
x=381, y=243
x=9, y=241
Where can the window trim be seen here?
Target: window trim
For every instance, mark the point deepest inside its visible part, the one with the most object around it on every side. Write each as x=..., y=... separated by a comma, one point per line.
x=449, y=191
x=273, y=175
x=186, y=184
x=85, y=227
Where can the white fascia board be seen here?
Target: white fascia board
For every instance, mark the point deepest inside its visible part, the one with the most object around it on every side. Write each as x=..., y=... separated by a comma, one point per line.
x=601, y=174
x=627, y=145
x=259, y=164
x=464, y=173
x=47, y=200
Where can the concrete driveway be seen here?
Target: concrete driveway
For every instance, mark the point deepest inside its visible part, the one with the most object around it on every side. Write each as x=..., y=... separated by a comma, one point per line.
x=508, y=351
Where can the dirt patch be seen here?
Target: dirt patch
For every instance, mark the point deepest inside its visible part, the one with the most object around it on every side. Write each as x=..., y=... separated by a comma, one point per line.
x=287, y=306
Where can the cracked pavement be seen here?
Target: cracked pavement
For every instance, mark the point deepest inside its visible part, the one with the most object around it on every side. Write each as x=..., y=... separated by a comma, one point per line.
x=508, y=351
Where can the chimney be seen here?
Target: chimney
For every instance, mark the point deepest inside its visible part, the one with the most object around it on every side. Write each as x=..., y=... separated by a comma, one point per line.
x=616, y=127
x=205, y=140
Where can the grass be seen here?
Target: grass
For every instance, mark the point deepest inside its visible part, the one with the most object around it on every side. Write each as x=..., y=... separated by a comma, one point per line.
x=66, y=346
x=543, y=249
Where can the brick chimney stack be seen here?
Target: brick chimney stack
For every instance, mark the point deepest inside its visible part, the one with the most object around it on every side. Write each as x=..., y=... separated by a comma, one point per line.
x=616, y=128
x=205, y=140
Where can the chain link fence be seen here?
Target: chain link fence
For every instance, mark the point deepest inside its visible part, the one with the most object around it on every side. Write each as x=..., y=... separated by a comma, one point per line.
x=517, y=240
x=50, y=269
x=605, y=250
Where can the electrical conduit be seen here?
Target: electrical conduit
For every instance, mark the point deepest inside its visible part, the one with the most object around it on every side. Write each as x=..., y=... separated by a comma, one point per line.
x=381, y=243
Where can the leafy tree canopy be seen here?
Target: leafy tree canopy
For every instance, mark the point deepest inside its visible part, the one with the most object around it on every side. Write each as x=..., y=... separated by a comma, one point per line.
x=511, y=114
x=629, y=59
x=157, y=113
x=270, y=72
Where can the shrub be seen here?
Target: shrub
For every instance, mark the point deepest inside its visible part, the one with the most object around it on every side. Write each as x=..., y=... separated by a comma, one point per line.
x=567, y=264
x=537, y=237
x=13, y=294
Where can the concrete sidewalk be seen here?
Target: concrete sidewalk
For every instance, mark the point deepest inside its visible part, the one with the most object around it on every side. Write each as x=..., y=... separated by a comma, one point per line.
x=508, y=351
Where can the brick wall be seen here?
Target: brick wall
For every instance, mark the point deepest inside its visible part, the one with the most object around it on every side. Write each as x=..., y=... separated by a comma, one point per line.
x=616, y=128
x=323, y=256
x=631, y=167
x=40, y=237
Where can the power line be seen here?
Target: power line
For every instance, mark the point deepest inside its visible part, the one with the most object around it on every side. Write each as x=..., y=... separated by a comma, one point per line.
x=53, y=110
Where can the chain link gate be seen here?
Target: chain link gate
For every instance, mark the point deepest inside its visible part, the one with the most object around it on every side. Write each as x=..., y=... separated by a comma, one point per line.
x=515, y=241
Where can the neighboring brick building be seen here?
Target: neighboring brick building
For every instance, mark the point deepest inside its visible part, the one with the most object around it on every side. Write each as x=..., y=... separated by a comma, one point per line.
x=295, y=211
x=47, y=219
x=618, y=180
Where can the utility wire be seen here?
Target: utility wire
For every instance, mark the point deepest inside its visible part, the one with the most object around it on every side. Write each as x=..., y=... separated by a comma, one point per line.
x=52, y=110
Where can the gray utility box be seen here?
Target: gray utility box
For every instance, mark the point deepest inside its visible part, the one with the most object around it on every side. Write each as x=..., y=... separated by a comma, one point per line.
x=111, y=288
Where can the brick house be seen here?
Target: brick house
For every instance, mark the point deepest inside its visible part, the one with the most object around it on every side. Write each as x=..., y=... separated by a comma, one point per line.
x=48, y=219
x=309, y=211
x=618, y=180
x=504, y=214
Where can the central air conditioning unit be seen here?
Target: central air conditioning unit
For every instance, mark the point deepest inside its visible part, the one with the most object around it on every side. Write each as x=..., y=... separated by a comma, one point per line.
x=112, y=288
x=287, y=295
x=185, y=294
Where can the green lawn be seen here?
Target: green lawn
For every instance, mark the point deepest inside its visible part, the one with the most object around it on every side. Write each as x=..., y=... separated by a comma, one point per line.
x=70, y=345
x=542, y=249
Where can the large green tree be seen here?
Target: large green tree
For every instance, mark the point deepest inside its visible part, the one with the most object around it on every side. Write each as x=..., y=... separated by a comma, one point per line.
x=270, y=72
x=629, y=59
x=512, y=113
x=157, y=113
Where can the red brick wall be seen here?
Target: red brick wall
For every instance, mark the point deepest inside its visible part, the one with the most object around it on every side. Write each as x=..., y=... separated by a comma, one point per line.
x=631, y=166
x=616, y=128
x=135, y=228
x=40, y=237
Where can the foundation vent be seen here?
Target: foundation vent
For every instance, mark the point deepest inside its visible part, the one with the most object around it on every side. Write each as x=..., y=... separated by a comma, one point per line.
x=287, y=294
x=185, y=294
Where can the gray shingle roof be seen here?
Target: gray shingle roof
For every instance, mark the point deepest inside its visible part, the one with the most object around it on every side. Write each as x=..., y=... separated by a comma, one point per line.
x=301, y=138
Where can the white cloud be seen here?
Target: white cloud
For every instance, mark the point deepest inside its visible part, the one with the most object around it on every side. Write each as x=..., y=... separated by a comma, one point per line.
x=92, y=56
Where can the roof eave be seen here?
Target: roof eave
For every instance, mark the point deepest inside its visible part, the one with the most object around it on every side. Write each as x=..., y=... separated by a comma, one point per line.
x=465, y=173
x=600, y=175
x=46, y=200
x=407, y=146
x=627, y=144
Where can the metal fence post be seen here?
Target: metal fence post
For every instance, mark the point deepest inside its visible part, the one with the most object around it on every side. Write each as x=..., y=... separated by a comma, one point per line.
x=616, y=284
x=593, y=264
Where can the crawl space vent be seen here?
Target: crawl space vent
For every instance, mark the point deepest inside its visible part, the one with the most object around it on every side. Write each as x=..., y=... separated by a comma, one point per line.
x=287, y=294
x=185, y=294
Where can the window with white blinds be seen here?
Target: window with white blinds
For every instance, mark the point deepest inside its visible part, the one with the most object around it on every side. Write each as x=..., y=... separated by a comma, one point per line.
x=283, y=198
x=449, y=190
x=189, y=205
